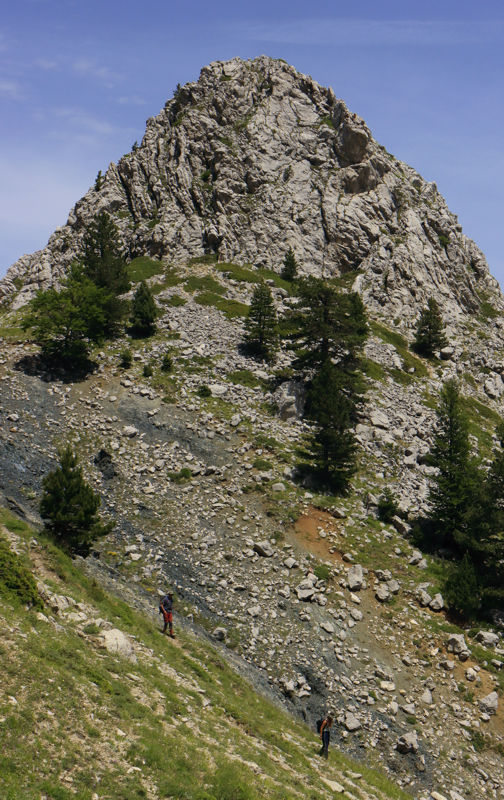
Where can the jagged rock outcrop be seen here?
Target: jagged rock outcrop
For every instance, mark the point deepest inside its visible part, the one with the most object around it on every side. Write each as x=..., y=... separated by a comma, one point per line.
x=255, y=157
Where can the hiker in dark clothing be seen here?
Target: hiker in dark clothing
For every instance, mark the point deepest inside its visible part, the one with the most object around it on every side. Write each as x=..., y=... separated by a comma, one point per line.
x=165, y=608
x=325, y=735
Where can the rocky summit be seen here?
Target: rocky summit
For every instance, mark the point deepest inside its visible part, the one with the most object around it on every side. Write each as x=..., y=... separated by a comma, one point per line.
x=315, y=600
x=255, y=155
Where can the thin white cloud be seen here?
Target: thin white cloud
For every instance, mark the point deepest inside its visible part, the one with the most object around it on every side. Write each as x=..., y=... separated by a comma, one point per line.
x=80, y=119
x=362, y=32
x=89, y=68
x=132, y=100
x=46, y=64
x=11, y=89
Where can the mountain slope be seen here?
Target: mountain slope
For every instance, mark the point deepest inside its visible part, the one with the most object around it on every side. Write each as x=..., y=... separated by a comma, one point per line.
x=96, y=703
x=255, y=157
x=204, y=496
x=311, y=595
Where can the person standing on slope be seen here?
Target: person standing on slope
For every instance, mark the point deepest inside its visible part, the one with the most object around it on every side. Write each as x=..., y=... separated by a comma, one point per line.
x=325, y=735
x=166, y=609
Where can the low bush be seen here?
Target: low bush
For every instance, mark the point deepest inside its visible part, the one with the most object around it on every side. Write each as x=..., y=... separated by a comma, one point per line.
x=243, y=377
x=387, y=506
x=16, y=579
x=125, y=359
x=175, y=301
x=261, y=464
x=322, y=572
x=167, y=363
x=142, y=268
x=231, y=308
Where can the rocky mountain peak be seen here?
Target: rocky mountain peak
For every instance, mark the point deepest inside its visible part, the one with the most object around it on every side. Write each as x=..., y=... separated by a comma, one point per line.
x=256, y=157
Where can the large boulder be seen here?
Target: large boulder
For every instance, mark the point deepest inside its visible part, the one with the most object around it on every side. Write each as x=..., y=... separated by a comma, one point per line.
x=487, y=638
x=407, y=743
x=490, y=703
x=456, y=643
x=355, y=578
x=263, y=549
x=117, y=643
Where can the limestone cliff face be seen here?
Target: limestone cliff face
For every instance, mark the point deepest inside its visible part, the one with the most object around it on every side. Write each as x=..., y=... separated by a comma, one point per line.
x=255, y=157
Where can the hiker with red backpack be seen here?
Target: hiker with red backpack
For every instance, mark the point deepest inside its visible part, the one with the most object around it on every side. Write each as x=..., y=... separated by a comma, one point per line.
x=324, y=728
x=166, y=609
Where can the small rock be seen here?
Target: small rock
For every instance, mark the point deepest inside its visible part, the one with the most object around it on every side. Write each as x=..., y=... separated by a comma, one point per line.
x=264, y=549
x=402, y=527
x=423, y=597
x=446, y=353
x=129, y=431
x=355, y=578
x=456, y=643
x=218, y=389
x=426, y=697
x=382, y=593
x=407, y=743
x=328, y=627
x=487, y=638
x=334, y=786
x=415, y=558
x=116, y=642
x=489, y=703
x=351, y=722
x=437, y=602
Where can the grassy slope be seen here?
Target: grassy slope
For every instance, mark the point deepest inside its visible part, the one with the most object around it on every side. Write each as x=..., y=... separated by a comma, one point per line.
x=78, y=722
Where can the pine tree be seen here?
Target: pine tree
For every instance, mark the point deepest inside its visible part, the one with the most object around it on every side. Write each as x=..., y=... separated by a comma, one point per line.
x=329, y=326
x=290, y=266
x=484, y=540
x=333, y=444
x=326, y=324
x=143, y=311
x=261, y=328
x=458, y=482
x=462, y=589
x=64, y=323
x=69, y=506
x=102, y=260
x=430, y=331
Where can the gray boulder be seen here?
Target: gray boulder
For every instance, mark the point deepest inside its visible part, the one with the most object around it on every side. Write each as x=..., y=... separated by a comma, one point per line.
x=116, y=642
x=487, y=638
x=352, y=723
x=437, y=602
x=407, y=743
x=490, y=703
x=355, y=578
x=382, y=593
x=264, y=549
x=456, y=643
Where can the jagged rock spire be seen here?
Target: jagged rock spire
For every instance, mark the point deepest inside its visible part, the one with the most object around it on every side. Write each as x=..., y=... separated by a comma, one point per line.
x=254, y=158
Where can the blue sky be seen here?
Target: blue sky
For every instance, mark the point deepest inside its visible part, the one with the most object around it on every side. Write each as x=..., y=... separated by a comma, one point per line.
x=79, y=79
